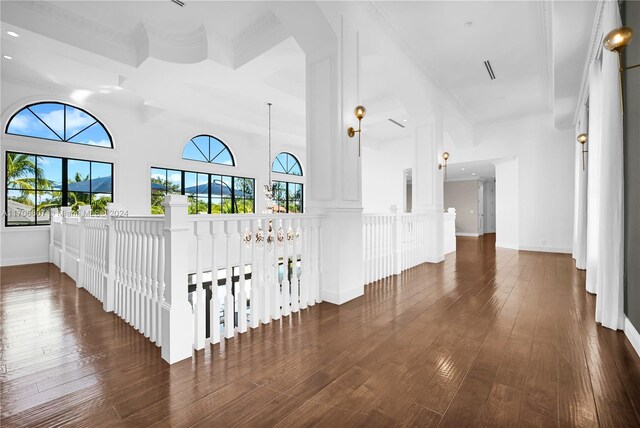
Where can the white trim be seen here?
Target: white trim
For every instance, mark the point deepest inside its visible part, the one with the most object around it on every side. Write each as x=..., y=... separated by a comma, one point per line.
x=507, y=245
x=434, y=259
x=24, y=261
x=546, y=249
x=342, y=296
x=474, y=235
x=632, y=334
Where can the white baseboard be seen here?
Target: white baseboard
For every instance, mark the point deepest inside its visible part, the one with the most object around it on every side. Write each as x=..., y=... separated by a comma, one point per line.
x=507, y=245
x=546, y=249
x=341, y=297
x=24, y=261
x=632, y=334
x=434, y=259
x=474, y=235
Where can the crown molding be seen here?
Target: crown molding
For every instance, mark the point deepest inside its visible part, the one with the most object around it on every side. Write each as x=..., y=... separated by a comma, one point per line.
x=595, y=47
x=377, y=11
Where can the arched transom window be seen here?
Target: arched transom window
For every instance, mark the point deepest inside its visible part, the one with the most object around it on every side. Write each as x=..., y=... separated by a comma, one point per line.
x=59, y=122
x=206, y=148
x=286, y=163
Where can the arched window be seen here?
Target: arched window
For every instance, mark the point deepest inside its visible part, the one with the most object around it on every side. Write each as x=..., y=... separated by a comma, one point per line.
x=286, y=163
x=206, y=148
x=59, y=122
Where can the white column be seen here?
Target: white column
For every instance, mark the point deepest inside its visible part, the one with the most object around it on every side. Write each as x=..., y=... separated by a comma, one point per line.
x=83, y=212
x=428, y=186
x=177, y=317
x=334, y=166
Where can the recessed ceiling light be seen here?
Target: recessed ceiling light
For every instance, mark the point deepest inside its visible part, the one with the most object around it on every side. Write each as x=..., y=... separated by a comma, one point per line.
x=7, y=57
x=13, y=34
x=473, y=173
x=404, y=120
x=462, y=169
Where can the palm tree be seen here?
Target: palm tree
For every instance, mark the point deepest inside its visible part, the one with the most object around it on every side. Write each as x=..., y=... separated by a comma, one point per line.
x=22, y=173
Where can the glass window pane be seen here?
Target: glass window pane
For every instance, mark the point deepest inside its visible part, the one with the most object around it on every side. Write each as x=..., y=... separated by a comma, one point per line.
x=27, y=124
x=202, y=145
x=46, y=201
x=223, y=158
x=95, y=135
x=190, y=183
x=191, y=152
x=227, y=182
x=158, y=180
x=174, y=181
x=79, y=175
x=203, y=185
x=20, y=207
x=53, y=115
x=21, y=171
x=78, y=199
x=77, y=120
x=101, y=180
x=49, y=173
x=157, y=199
x=279, y=164
x=216, y=204
x=227, y=207
x=216, y=185
x=99, y=203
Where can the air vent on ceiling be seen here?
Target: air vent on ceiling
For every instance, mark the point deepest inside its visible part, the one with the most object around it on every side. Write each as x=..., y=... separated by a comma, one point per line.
x=178, y=2
x=396, y=123
x=492, y=75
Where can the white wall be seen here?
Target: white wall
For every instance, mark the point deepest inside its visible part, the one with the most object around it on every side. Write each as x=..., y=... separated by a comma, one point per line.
x=138, y=146
x=544, y=178
x=463, y=196
x=383, y=166
x=507, y=204
x=489, y=206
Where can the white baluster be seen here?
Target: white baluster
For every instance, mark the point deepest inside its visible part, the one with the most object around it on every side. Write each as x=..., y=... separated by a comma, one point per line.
x=295, y=282
x=228, y=300
x=286, y=296
x=161, y=282
x=254, y=296
x=153, y=305
x=241, y=292
x=305, y=264
x=214, y=304
x=148, y=283
x=266, y=272
x=199, y=300
x=276, y=292
x=318, y=244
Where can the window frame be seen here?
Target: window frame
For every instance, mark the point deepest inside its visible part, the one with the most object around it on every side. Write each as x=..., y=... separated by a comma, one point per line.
x=209, y=194
x=287, y=199
x=226, y=147
x=287, y=173
x=64, y=185
x=28, y=107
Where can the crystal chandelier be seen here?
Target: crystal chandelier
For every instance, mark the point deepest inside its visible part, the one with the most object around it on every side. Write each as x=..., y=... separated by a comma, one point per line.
x=271, y=236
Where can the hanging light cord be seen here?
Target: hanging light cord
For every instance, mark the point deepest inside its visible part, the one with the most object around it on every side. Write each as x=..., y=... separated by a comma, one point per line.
x=269, y=161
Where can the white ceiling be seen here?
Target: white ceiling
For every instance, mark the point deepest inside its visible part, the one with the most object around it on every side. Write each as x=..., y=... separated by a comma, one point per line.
x=98, y=48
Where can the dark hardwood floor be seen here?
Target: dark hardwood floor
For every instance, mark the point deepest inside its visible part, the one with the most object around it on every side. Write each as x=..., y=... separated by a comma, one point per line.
x=488, y=338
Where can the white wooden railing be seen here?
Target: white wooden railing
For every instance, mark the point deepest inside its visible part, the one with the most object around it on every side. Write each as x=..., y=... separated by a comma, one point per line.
x=395, y=242
x=140, y=267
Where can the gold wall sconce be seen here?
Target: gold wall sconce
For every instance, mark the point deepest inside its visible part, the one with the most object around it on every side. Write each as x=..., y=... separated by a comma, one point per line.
x=615, y=41
x=445, y=158
x=360, y=112
x=582, y=139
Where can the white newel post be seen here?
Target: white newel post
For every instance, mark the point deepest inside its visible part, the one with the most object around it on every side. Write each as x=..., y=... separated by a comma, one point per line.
x=65, y=212
x=177, y=317
x=83, y=212
x=55, y=212
x=109, y=293
x=396, y=241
